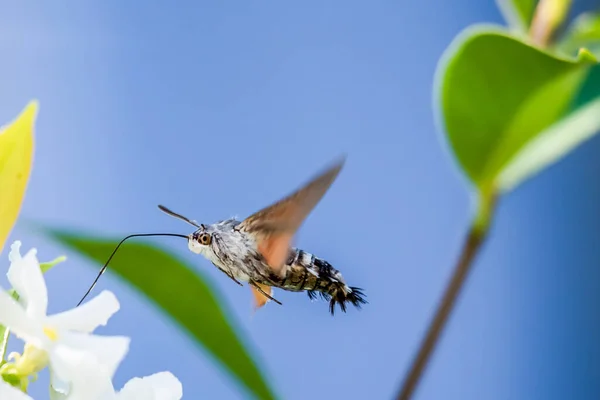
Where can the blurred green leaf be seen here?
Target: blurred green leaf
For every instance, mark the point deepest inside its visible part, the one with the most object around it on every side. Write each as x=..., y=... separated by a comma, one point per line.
x=552, y=144
x=584, y=31
x=517, y=13
x=182, y=294
x=497, y=93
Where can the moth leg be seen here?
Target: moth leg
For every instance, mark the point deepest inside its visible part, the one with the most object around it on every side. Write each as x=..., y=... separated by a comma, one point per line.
x=233, y=279
x=229, y=275
x=263, y=292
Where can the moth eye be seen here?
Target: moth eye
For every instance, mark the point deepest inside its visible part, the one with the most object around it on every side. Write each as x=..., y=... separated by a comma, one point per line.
x=205, y=239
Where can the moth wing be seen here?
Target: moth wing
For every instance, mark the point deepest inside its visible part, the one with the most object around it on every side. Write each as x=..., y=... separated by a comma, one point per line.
x=275, y=226
x=259, y=298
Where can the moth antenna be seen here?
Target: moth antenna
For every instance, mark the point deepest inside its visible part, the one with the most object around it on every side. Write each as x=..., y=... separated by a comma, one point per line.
x=179, y=216
x=115, y=250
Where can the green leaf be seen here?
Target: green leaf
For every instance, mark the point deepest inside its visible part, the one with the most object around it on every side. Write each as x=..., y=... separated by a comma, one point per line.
x=517, y=13
x=590, y=90
x=552, y=144
x=584, y=31
x=497, y=93
x=46, y=266
x=181, y=293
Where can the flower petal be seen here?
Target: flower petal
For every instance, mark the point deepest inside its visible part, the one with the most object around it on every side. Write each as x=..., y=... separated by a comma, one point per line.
x=87, y=316
x=108, y=350
x=54, y=393
x=15, y=251
x=7, y=392
x=13, y=316
x=26, y=278
x=59, y=389
x=159, y=386
x=13, y=273
x=77, y=375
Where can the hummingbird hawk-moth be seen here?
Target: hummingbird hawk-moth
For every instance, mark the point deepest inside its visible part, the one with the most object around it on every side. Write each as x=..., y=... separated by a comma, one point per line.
x=258, y=250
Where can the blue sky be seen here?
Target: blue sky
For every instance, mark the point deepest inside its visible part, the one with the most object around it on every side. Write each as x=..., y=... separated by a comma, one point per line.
x=220, y=109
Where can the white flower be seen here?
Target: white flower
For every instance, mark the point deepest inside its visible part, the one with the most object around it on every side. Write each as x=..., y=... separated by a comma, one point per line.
x=159, y=386
x=62, y=340
x=8, y=392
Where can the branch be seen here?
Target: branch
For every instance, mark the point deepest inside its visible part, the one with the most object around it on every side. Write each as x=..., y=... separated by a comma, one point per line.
x=475, y=238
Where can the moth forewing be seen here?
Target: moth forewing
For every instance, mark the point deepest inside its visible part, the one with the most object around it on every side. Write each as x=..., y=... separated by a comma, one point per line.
x=275, y=226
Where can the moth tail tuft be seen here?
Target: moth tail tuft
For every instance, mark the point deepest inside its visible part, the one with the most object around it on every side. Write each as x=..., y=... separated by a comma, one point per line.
x=352, y=295
x=313, y=294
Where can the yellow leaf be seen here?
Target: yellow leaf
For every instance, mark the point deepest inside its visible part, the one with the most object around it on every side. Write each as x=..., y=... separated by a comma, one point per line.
x=16, y=156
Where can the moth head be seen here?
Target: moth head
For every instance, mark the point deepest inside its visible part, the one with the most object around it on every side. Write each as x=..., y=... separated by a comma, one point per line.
x=200, y=240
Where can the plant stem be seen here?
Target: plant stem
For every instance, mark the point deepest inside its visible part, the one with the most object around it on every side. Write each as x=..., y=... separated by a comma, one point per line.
x=4, y=332
x=475, y=238
x=548, y=16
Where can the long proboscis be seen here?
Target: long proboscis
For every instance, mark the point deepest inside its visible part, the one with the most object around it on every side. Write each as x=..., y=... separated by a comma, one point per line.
x=114, y=252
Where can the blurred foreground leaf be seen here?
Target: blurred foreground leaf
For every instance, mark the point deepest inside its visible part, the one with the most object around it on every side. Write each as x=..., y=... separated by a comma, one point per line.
x=16, y=155
x=552, y=144
x=180, y=293
x=496, y=94
x=584, y=31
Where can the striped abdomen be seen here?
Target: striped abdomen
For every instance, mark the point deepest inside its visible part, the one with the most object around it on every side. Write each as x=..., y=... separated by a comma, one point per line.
x=304, y=271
